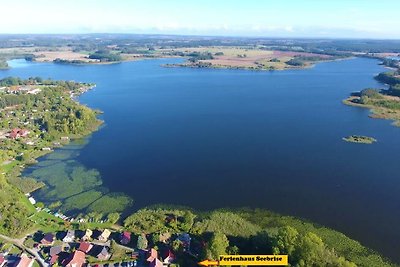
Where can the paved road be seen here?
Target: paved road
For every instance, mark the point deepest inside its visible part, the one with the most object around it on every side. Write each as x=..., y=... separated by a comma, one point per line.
x=20, y=243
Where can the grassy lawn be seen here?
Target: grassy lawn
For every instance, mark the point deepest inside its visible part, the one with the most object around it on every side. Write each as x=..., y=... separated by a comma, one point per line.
x=15, y=250
x=94, y=225
x=8, y=167
x=6, y=246
x=120, y=254
x=47, y=222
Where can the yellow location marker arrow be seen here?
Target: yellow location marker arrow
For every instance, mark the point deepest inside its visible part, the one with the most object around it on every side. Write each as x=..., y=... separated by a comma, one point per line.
x=209, y=263
x=253, y=260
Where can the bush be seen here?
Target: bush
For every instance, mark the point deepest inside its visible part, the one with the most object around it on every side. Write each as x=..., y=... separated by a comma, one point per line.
x=371, y=93
x=295, y=62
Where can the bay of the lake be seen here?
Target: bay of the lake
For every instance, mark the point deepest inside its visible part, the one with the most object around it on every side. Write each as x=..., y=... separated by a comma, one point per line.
x=208, y=138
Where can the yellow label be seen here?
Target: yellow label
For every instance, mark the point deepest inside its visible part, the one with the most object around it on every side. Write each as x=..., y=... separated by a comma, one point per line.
x=260, y=260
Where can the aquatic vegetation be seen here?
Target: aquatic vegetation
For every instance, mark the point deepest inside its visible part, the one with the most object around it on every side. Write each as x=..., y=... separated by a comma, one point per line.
x=111, y=203
x=82, y=200
x=74, y=187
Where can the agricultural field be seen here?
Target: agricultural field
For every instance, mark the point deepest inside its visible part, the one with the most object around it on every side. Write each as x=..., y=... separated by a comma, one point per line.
x=45, y=54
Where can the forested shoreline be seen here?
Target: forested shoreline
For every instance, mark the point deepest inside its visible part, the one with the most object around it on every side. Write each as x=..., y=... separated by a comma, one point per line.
x=383, y=103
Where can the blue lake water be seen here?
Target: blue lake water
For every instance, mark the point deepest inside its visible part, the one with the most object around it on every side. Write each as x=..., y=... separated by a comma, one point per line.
x=233, y=138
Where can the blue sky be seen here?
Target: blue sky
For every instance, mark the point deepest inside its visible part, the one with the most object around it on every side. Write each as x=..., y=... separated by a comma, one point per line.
x=279, y=18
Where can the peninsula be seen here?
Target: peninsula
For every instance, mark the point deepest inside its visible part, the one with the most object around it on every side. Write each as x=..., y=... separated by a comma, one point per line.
x=383, y=103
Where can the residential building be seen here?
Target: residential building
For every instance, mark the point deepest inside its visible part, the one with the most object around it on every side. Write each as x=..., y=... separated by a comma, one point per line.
x=105, y=235
x=76, y=259
x=152, y=258
x=85, y=247
x=55, y=250
x=24, y=261
x=152, y=255
x=125, y=238
x=103, y=254
x=3, y=261
x=70, y=236
x=17, y=133
x=168, y=257
x=47, y=240
x=88, y=235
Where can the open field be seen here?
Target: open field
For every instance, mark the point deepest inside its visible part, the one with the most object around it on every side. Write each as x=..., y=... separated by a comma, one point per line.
x=49, y=56
x=45, y=54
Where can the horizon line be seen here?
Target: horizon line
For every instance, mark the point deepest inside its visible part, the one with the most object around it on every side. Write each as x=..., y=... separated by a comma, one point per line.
x=210, y=36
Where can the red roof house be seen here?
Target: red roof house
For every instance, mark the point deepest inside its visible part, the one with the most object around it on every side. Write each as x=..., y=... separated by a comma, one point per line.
x=2, y=261
x=85, y=247
x=14, y=134
x=24, y=261
x=152, y=258
x=54, y=259
x=17, y=133
x=152, y=255
x=76, y=259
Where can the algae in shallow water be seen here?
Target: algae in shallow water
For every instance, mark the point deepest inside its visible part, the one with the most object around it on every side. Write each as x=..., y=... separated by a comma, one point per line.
x=75, y=186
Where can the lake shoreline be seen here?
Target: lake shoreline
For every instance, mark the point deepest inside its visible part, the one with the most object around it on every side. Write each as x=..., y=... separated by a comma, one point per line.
x=222, y=67
x=307, y=65
x=266, y=209
x=51, y=145
x=376, y=112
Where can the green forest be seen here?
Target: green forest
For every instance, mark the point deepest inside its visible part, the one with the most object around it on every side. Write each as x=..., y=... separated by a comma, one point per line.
x=250, y=232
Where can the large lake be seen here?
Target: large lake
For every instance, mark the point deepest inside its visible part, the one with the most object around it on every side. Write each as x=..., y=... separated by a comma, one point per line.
x=209, y=138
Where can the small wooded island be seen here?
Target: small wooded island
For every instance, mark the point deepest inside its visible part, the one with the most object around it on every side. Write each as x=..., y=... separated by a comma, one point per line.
x=360, y=139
